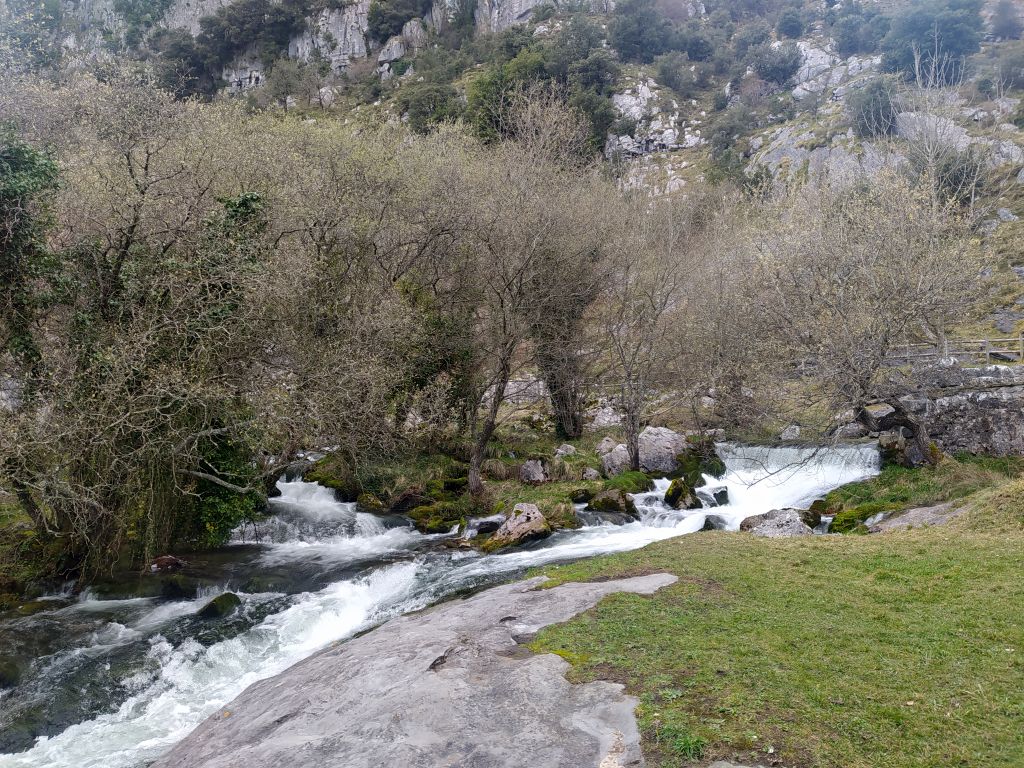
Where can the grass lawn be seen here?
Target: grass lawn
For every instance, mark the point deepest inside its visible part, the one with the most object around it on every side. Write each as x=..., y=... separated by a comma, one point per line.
x=895, y=650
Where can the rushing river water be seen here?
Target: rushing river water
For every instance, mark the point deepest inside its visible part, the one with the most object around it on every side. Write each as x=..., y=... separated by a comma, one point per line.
x=113, y=683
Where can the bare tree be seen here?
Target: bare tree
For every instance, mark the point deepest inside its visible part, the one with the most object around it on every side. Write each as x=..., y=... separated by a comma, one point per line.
x=841, y=277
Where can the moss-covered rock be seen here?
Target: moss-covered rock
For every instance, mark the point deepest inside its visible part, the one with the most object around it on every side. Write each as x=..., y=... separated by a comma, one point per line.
x=333, y=473
x=368, y=502
x=526, y=523
x=438, y=517
x=613, y=500
x=681, y=495
x=406, y=501
x=221, y=606
x=630, y=482
x=852, y=520
x=581, y=495
x=561, y=516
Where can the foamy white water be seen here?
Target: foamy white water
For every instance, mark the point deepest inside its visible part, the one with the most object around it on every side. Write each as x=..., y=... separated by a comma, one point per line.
x=188, y=682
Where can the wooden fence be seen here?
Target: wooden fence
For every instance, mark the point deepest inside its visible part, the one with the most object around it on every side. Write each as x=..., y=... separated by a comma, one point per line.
x=1004, y=349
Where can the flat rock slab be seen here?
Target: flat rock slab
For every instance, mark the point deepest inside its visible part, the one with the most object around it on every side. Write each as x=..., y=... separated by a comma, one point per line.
x=449, y=686
x=918, y=517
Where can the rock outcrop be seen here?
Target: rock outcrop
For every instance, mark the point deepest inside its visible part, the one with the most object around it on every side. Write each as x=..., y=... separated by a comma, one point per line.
x=447, y=686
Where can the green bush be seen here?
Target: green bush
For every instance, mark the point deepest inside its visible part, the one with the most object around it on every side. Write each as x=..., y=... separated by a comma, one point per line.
x=639, y=32
x=952, y=29
x=790, y=24
x=427, y=105
x=776, y=65
x=387, y=17
x=872, y=109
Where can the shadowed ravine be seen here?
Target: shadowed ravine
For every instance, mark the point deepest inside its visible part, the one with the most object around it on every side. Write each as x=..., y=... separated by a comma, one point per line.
x=117, y=683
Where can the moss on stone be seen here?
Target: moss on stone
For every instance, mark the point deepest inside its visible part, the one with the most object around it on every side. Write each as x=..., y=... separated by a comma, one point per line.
x=630, y=482
x=852, y=520
x=221, y=606
x=332, y=473
x=438, y=517
x=368, y=502
x=681, y=495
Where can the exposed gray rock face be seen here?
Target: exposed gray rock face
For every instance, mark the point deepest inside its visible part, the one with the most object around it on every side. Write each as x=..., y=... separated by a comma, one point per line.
x=337, y=34
x=789, y=153
x=565, y=449
x=591, y=474
x=792, y=432
x=777, y=523
x=185, y=14
x=499, y=15
x=393, y=50
x=935, y=129
x=445, y=687
x=659, y=447
x=616, y=461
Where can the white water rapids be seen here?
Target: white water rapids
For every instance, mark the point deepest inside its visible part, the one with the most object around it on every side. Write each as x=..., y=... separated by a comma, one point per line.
x=186, y=676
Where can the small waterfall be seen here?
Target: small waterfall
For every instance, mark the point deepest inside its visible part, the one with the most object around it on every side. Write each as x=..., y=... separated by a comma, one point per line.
x=176, y=670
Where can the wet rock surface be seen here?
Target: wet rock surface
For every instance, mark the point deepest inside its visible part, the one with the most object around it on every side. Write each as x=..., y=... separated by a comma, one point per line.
x=448, y=686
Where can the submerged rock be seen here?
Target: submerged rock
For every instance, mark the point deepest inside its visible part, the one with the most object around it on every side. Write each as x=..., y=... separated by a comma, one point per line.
x=10, y=673
x=527, y=523
x=220, y=607
x=445, y=686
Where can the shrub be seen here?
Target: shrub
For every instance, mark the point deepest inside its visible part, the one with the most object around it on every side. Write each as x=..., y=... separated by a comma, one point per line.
x=790, y=24
x=673, y=69
x=428, y=105
x=1006, y=21
x=776, y=65
x=387, y=17
x=951, y=29
x=872, y=110
x=639, y=32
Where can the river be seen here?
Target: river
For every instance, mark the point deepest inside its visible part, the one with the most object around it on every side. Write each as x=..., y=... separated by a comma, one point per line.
x=114, y=682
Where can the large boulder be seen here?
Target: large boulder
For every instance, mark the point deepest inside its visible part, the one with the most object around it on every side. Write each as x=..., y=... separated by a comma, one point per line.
x=777, y=523
x=533, y=472
x=527, y=523
x=616, y=461
x=659, y=447
x=606, y=445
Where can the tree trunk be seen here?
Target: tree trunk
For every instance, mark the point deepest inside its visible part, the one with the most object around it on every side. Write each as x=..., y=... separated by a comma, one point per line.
x=486, y=430
x=631, y=426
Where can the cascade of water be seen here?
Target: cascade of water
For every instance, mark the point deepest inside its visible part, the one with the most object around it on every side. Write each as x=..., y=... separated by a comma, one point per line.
x=176, y=681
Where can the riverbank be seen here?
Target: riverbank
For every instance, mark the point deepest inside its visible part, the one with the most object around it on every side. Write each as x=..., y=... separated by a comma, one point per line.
x=896, y=650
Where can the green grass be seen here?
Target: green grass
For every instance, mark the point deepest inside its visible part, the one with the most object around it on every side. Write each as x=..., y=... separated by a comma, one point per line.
x=903, y=650
x=900, y=488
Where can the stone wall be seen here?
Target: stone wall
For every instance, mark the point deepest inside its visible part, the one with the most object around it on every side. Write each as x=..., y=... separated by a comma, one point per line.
x=978, y=410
